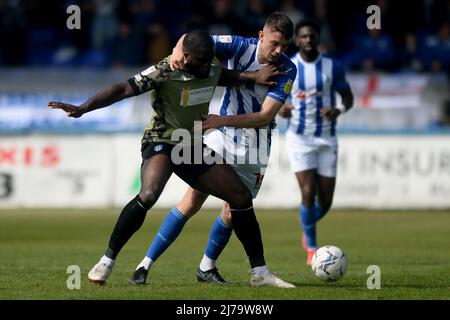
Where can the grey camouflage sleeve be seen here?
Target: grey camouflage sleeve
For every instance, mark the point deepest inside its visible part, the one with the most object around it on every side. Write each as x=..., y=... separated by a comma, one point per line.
x=151, y=78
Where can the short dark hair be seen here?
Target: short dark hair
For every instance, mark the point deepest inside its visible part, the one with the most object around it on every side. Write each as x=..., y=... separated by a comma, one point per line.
x=199, y=44
x=280, y=22
x=308, y=22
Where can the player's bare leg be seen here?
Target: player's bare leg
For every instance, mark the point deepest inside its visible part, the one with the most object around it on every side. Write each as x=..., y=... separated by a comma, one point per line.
x=191, y=202
x=155, y=173
x=307, y=182
x=308, y=185
x=226, y=214
x=325, y=193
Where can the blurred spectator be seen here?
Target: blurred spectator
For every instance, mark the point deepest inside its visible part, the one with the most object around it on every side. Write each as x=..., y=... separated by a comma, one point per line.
x=139, y=32
x=158, y=43
x=221, y=19
x=438, y=12
x=13, y=31
x=196, y=19
x=326, y=37
x=255, y=17
x=121, y=47
x=374, y=51
x=411, y=54
x=437, y=49
x=104, y=24
x=289, y=8
x=143, y=13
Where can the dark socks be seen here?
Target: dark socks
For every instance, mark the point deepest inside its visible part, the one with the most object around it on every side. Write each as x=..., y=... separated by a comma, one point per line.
x=130, y=220
x=247, y=230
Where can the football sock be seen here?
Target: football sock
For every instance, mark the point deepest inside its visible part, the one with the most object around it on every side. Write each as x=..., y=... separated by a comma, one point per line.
x=247, y=230
x=207, y=263
x=260, y=271
x=319, y=211
x=146, y=263
x=167, y=233
x=218, y=239
x=308, y=221
x=130, y=220
x=107, y=261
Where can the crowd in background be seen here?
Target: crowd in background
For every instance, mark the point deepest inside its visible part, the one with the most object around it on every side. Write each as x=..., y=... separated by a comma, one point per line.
x=414, y=35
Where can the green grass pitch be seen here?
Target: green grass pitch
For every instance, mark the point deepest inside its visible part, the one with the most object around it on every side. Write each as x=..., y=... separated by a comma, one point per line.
x=410, y=247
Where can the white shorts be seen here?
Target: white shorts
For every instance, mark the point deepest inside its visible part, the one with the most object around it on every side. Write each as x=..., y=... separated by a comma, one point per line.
x=309, y=152
x=251, y=174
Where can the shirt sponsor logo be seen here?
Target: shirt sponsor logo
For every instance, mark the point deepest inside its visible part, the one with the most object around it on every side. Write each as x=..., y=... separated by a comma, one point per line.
x=303, y=95
x=196, y=96
x=224, y=39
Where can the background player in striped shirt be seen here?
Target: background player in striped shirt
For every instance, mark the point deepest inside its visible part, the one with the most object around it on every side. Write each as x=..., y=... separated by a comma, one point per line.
x=311, y=137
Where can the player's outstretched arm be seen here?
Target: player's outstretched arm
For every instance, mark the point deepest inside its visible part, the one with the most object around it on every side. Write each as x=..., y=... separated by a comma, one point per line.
x=105, y=98
x=259, y=119
x=263, y=76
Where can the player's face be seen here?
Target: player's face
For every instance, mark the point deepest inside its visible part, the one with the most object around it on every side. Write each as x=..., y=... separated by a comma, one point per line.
x=273, y=44
x=307, y=39
x=198, y=66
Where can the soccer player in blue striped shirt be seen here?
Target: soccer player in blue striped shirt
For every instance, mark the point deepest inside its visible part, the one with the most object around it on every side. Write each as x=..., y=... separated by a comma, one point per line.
x=312, y=143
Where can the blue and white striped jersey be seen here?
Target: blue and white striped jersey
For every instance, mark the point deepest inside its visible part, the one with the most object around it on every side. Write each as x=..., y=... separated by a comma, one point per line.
x=241, y=54
x=315, y=88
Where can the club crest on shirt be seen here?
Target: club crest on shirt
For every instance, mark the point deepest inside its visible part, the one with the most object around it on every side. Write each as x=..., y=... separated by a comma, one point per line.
x=158, y=147
x=288, y=87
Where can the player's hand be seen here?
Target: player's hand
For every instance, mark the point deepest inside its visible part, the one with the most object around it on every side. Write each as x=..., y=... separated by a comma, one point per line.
x=177, y=59
x=71, y=110
x=212, y=121
x=265, y=75
x=330, y=113
x=285, y=111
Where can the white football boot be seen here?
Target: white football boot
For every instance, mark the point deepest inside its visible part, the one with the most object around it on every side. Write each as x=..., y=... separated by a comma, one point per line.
x=269, y=280
x=100, y=272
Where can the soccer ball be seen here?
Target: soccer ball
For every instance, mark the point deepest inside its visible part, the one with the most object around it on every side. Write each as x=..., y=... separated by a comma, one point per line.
x=329, y=263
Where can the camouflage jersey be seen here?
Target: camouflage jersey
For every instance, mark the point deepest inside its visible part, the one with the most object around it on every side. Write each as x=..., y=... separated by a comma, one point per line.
x=178, y=98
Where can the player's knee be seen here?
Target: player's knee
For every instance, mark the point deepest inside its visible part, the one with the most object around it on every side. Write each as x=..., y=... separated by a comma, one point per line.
x=149, y=195
x=326, y=204
x=241, y=198
x=188, y=208
x=226, y=217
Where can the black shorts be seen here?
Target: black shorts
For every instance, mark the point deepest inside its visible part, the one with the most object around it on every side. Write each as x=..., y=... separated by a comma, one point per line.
x=188, y=172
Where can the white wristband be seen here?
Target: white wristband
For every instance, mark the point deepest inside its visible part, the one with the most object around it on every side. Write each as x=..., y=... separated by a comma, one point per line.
x=341, y=108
